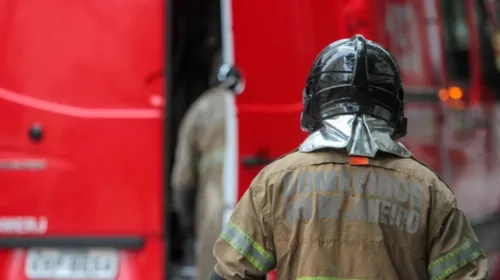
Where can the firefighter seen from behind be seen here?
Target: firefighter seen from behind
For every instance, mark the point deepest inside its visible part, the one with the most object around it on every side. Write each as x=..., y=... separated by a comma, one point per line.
x=351, y=202
x=197, y=172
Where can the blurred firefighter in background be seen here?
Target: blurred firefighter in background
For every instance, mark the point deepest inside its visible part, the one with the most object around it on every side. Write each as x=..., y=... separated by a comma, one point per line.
x=196, y=41
x=351, y=202
x=197, y=173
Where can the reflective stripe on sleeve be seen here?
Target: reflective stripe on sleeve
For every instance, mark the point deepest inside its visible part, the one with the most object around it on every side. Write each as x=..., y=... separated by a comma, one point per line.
x=246, y=246
x=211, y=158
x=451, y=262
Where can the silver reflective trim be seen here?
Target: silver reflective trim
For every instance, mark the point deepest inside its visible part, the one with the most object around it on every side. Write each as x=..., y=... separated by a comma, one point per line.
x=247, y=247
x=347, y=108
x=360, y=135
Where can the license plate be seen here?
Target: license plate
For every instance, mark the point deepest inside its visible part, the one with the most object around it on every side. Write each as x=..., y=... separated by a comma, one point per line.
x=71, y=264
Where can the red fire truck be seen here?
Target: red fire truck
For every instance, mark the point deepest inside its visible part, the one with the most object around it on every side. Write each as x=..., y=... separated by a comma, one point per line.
x=87, y=133
x=448, y=52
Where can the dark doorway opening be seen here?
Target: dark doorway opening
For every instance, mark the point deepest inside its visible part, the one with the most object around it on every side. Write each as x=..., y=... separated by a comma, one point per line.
x=193, y=51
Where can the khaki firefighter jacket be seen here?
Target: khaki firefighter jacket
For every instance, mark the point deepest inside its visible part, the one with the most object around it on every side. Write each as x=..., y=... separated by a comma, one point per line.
x=326, y=216
x=198, y=171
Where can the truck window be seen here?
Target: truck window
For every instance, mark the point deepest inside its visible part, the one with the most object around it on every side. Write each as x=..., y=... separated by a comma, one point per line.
x=456, y=40
x=489, y=37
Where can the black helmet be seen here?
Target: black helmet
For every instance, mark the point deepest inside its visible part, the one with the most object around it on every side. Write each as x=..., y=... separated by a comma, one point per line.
x=354, y=76
x=230, y=77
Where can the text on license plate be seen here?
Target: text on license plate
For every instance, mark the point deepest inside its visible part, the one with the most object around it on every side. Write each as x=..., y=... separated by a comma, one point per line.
x=71, y=264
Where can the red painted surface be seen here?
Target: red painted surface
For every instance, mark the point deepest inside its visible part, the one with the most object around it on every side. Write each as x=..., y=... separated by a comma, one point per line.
x=80, y=69
x=275, y=53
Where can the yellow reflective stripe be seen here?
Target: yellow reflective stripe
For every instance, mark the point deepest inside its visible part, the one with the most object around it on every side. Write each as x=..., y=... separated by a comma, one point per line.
x=451, y=262
x=247, y=247
x=324, y=278
x=212, y=158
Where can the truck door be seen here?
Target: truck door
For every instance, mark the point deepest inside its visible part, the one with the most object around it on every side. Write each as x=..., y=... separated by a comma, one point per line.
x=274, y=48
x=77, y=119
